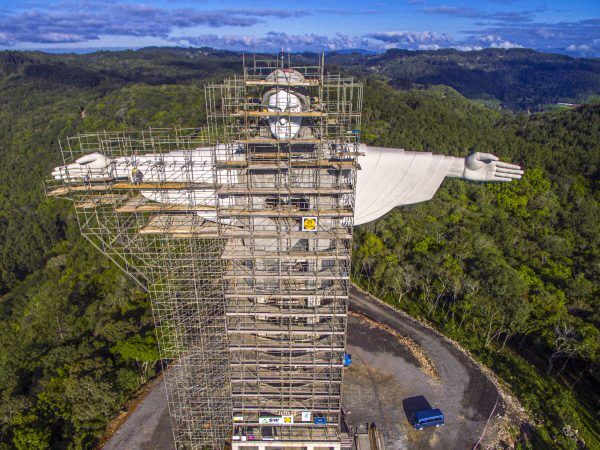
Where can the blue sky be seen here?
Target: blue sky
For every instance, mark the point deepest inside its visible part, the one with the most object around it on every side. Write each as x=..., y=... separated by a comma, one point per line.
x=570, y=27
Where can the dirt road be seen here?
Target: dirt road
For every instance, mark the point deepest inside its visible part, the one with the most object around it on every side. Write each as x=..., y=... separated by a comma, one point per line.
x=386, y=383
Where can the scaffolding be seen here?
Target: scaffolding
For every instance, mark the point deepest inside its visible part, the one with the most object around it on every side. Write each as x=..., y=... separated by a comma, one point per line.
x=243, y=240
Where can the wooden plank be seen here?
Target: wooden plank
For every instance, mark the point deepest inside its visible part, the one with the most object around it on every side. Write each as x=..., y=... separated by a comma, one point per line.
x=232, y=212
x=67, y=189
x=290, y=295
x=63, y=190
x=301, y=256
x=239, y=190
x=163, y=185
x=291, y=276
x=283, y=156
x=346, y=163
x=141, y=204
x=97, y=200
x=179, y=225
x=199, y=233
x=281, y=83
x=242, y=113
x=280, y=141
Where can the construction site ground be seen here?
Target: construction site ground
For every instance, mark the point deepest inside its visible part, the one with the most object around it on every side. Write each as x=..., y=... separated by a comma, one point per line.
x=399, y=366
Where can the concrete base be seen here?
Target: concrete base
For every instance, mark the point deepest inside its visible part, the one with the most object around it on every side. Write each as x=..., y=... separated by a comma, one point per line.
x=276, y=445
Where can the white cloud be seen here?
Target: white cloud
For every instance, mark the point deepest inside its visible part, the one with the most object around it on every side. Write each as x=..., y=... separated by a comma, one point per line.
x=468, y=48
x=505, y=45
x=409, y=37
x=575, y=48
x=489, y=38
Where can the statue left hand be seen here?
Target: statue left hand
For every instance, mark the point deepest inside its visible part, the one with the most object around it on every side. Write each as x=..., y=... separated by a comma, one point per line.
x=487, y=167
x=93, y=167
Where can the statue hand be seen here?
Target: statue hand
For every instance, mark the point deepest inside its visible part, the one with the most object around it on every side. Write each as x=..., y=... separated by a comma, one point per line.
x=93, y=167
x=487, y=167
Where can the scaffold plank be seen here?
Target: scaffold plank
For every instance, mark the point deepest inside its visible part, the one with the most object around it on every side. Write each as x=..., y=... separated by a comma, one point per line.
x=272, y=141
x=297, y=312
x=110, y=185
x=67, y=189
x=243, y=112
x=285, y=255
x=98, y=200
x=294, y=276
x=241, y=190
x=160, y=185
x=342, y=163
x=305, y=83
x=232, y=212
x=140, y=204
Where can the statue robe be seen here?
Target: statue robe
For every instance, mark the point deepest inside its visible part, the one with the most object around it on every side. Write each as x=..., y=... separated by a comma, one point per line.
x=391, y=177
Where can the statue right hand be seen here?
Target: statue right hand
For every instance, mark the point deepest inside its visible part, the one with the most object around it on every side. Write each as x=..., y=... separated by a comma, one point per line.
x=487, y=167
x=92, y=167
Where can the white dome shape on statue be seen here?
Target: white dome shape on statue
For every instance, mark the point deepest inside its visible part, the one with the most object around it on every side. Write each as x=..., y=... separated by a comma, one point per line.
x=286, y=76
x=283, y=124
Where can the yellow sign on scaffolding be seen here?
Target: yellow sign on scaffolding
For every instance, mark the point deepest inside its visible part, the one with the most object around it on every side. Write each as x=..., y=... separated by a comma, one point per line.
x=309, y=223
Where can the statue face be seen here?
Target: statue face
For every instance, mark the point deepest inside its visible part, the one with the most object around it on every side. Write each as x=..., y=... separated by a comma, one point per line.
x=284, y=126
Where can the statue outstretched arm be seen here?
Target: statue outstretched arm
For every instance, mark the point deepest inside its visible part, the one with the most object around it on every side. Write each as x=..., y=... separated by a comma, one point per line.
x=189, y=166
x=392, y=177
x=185, y=166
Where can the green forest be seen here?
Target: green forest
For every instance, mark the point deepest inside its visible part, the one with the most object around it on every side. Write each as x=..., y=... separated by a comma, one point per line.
x=510, y=271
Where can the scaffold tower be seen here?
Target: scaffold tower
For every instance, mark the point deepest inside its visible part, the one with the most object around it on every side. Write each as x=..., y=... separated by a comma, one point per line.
x=241, y=232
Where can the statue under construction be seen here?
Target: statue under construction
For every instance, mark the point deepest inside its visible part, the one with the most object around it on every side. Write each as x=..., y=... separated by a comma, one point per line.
x=241, y=231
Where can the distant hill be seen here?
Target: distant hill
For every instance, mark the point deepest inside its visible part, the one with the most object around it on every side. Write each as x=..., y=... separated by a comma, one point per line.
x=516, y=79
x=520, y=79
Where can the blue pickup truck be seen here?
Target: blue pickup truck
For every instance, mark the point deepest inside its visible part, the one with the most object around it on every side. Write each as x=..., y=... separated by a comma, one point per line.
x=427, y=418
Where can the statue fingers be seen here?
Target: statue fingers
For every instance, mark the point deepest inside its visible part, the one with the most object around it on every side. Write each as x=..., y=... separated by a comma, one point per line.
x=506, y=176
x=507, y=165
x=62, y=175
x=501, y=169
x=58, y=172
x=67, y=172
x=503, y=179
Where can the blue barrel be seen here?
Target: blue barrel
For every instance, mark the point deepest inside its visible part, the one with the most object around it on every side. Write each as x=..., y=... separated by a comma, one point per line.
x=347, y=359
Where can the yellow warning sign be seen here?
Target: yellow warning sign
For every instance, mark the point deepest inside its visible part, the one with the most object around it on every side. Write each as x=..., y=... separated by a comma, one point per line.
x=288, y=419
x=309, y=224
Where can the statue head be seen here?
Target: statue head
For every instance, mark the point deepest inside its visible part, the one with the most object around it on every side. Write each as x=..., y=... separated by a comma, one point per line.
x=285, y=102
x=283, y=124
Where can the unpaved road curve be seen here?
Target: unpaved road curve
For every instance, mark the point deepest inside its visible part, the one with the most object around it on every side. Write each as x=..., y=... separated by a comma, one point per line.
x=463, y=392
x=383, y=385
